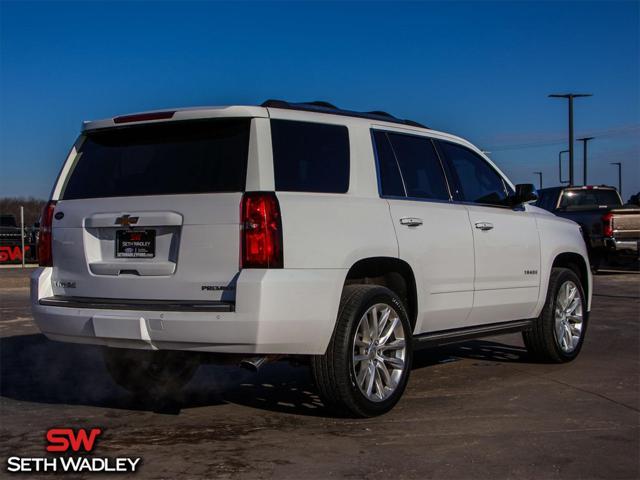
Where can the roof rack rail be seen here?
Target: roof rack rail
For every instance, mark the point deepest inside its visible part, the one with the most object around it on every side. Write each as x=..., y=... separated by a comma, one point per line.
x=326, y=107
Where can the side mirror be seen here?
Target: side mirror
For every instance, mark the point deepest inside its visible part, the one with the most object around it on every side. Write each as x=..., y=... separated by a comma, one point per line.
x=525, y=192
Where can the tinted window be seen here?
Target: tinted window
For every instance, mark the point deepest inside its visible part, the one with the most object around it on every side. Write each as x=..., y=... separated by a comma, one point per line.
x=576, y=199
x=477, y=180
x=420, y=166
x=310, y=157
x=161, y=159
x=8, y=221
x=390, y=180
x=546, y=199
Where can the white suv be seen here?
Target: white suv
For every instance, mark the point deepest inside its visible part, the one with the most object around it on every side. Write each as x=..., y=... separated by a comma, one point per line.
x=346, y=238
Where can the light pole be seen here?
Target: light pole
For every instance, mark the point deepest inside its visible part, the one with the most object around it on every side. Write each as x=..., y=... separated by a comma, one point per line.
x=560, y=165
x=570, y=97
x=584, y=141
x=619, y=164
x=540, y=176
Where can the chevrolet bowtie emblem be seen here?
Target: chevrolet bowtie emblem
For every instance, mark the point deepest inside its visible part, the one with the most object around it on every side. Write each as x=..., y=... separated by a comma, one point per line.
x=126, y=220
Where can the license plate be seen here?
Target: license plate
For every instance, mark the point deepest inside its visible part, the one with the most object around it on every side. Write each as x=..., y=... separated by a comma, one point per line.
x=135, y=243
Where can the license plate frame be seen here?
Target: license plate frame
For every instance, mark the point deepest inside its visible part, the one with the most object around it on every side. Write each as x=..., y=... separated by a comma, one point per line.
x=135, y=244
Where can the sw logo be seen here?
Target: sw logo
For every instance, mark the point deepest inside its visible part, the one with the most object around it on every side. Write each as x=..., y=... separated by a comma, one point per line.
x=61, y=439
x=69, y=441
x=12, y=254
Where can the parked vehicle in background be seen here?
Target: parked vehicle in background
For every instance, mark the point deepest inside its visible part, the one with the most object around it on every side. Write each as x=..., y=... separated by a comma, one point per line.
x=343, y=239
x=9, y=229
x=611, y=230
x=634, y=200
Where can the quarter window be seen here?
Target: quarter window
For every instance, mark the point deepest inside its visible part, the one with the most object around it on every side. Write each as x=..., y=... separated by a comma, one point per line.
x=310, y=157
x=478, y=182
x=410, y=162
x=390, y=180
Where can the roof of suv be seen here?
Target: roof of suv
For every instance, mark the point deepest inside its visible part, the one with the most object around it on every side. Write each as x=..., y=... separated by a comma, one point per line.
x=326, y=107
x=311, y=109
x=242, y=111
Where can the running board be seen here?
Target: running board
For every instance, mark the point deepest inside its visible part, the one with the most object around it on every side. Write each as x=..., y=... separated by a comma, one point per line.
x=444, y=337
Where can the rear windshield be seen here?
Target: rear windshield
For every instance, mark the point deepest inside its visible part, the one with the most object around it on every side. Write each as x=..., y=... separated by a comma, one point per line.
x=203, y=156
x=585, y=199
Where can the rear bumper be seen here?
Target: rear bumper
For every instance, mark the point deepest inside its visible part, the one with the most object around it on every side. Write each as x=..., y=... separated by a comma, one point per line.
x=288, y=311
x=629, y=246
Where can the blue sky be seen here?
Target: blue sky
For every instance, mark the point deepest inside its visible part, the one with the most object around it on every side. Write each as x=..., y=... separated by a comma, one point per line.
x=481, y=70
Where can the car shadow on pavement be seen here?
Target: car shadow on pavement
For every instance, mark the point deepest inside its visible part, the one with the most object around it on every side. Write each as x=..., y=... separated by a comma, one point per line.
x=489, y=351
x=35, y=369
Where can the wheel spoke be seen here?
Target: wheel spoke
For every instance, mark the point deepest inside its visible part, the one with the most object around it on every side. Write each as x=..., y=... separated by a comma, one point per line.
x=395, y=345
x=362, y=375
x=573, y=306
x=395, y=362
x=374, y=324
x=371, y=377
x=384, y=372
x=382, y=323
x=379, y=385
x=571, y=292
x=360, y=358
x=364, y=326
x=562, y=297
x=559, y=331
x=360, y=343
x=390, y=329
x=566, y=337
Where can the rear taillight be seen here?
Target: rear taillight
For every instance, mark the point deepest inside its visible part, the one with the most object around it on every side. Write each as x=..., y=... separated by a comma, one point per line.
x=261, y=231
x=607, y=224
x=45, y=256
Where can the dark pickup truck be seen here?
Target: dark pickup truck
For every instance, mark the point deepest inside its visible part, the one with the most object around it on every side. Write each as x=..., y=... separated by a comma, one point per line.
x=611, y=230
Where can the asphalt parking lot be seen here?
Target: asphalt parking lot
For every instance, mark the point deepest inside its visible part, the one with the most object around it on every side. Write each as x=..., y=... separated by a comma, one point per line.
x=477, y=410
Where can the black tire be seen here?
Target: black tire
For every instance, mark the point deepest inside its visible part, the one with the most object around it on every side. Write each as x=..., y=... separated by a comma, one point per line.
x=334, y=372
x=541, y=340
x=150, y=374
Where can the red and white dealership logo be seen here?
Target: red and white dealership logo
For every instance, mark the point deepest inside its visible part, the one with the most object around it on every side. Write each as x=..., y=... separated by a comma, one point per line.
x=63, y=439
x=68, y=442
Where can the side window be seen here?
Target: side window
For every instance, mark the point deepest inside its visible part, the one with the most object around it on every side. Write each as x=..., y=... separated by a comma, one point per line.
x=409, y=163
x=477, y=180
x=390, y=180
x=420, y=166
x=310, y=157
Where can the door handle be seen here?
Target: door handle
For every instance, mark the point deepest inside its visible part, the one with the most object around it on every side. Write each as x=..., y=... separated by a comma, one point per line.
x=484, y=226
x=411, y=221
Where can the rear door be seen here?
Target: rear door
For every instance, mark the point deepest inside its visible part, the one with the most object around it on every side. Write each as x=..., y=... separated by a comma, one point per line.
x=433, y=233
x=152, y=212
x=506, y=242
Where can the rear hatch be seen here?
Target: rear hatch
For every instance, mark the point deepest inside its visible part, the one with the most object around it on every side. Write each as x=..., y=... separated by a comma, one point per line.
x=152, y=212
